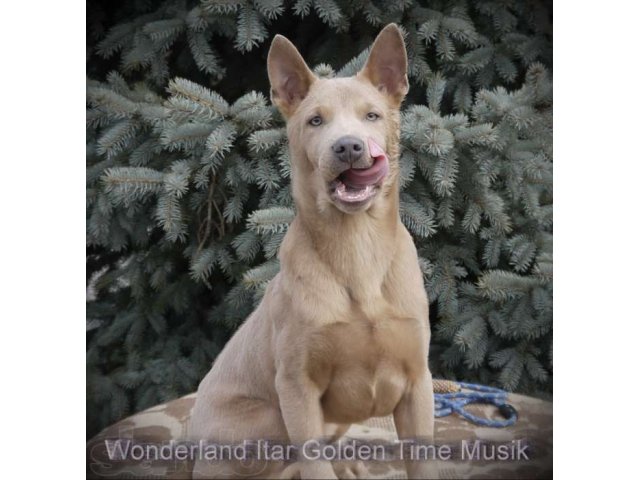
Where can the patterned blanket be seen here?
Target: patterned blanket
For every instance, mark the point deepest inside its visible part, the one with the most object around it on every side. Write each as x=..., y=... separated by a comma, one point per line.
x=476, y=452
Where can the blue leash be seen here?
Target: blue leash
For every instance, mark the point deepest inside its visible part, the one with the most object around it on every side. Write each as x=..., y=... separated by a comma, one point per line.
x=447, y=403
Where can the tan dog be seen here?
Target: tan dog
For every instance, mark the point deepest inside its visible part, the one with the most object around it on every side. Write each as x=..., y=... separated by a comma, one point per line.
x=342, y=332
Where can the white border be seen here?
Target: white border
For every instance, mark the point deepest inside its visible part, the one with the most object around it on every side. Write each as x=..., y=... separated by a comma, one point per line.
x=596, y=179
x=42, y=195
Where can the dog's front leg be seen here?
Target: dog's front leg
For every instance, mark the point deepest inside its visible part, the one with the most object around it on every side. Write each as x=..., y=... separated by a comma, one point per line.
x=300, y=404
x=413, y=417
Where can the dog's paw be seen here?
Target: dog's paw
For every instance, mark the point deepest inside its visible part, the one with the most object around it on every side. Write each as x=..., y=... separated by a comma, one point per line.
x=346, y=470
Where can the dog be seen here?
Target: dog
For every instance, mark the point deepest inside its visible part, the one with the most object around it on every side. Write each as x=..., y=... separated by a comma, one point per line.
x=342, y=332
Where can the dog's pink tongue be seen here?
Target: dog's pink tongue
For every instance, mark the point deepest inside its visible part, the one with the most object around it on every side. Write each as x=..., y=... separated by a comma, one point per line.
x=374, y=149
x=369, y=176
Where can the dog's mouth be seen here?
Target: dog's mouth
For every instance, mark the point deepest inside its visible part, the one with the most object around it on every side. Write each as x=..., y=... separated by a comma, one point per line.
x=357, y=185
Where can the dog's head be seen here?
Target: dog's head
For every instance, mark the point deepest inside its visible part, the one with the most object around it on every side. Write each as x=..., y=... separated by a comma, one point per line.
x=343, y=132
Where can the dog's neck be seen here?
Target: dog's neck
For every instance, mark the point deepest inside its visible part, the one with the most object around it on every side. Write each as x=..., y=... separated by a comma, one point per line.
x=357, y=249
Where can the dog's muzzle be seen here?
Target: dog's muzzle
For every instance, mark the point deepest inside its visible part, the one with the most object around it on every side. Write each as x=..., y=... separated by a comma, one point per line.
x=355, y=186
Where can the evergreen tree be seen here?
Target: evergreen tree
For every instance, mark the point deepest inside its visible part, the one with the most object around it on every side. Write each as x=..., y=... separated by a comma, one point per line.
x=188, y=181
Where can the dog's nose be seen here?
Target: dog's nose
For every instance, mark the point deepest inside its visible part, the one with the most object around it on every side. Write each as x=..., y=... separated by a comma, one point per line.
x=348, y=149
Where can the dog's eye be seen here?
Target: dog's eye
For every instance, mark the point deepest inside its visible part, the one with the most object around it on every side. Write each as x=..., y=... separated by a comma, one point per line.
x=315, y=121
x=372, y=116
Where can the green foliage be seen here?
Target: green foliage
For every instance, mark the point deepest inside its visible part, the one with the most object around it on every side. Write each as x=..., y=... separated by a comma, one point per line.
x=188, y=174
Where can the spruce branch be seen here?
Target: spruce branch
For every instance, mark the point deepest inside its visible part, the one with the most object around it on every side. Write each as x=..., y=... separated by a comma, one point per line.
x=164, y=29
x=271, y=220
x=185, y=137
x=128, y=184
x=221, y=6
x=199, y=95
x=117, y=37
x=111, y=102
x=117, y=138
x=302, y=8
x=329, y=12
x=271, y=9
x=170, y=216
x=418, y=220
x=251, y=29
x=204, y=230
x=500, y=285
x=205, y=57
x=258, y=277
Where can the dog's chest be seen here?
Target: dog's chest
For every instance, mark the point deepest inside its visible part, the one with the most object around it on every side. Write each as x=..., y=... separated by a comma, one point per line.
x=364, y=367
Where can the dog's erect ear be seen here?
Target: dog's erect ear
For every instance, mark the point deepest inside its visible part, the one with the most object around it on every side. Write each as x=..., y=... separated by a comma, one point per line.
x=386, y=66
x=289, y=76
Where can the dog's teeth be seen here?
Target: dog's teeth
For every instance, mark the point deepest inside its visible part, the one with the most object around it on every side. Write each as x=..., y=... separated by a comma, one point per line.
x=353, y=195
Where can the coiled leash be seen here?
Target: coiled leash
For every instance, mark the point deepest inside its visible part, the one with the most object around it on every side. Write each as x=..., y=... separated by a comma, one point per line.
x=450, y=398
